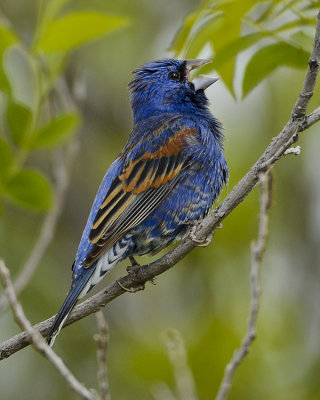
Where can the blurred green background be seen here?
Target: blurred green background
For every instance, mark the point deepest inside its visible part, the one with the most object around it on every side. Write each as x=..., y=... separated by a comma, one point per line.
x=206, y=296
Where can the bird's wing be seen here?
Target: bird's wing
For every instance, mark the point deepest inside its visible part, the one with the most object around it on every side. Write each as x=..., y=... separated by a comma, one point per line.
x=145, y=180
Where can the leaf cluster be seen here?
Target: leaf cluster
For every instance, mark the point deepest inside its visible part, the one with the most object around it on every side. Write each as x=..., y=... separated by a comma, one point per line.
x=36, y=113
x=273, y=33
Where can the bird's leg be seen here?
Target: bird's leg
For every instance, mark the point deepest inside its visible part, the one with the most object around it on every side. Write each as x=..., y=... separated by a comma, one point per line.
x=134, y=262
x=133, y=271
x=203, y=242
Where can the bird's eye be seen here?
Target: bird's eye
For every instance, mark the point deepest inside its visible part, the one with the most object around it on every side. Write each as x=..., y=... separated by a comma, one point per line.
x=174, y=75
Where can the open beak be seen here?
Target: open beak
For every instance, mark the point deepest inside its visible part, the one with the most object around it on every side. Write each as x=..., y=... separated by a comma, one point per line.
x=197, y=63
x=201, y=81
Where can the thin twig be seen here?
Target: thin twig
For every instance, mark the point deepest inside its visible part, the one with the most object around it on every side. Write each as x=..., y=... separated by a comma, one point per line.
x=145, y=273
x=300, y=108
x=62, y=176
x=313, y=117
x=257, y=249
x=102, y=339
x=39, y=344
x=183, y=377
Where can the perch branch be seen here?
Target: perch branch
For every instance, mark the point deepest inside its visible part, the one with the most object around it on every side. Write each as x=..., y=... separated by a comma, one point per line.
x=102, y=339
x=278, y=145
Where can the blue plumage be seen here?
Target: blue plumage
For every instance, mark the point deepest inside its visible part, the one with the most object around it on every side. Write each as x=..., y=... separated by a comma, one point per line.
x=166, y=178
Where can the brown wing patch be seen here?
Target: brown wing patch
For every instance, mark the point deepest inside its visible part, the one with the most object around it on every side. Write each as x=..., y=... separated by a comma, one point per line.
x=153, y=167
x=175, y=143
x=141, y=186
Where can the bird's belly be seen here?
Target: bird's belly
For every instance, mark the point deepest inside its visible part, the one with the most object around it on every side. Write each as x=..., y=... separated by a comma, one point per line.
x=190, y=201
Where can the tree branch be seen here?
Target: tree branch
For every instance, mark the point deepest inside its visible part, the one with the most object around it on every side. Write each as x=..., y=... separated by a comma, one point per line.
x=313, y=117
x=257, y=249
x=37, y=340
x=102, y=339
x=183, y=378
x=275, y=150
x=300, y=108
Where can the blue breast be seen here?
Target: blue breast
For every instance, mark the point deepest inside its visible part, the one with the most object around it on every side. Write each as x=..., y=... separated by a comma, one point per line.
x=191, y=200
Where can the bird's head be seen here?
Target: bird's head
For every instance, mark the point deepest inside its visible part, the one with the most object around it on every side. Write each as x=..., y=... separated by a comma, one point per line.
x=165, y=86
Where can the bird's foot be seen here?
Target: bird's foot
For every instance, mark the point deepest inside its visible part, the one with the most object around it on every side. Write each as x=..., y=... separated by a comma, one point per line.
x=132, y=272
x=136, y=275
x=135, y=272
x=203, y=242
x=141, y=286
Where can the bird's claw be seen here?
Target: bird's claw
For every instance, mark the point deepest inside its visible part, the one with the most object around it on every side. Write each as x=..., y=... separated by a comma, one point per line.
x=203, y=242
x=141, y=286
x=133, y=273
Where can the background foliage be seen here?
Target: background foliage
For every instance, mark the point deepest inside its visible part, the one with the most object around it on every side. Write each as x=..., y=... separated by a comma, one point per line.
x=44, y=44
x=278, y=33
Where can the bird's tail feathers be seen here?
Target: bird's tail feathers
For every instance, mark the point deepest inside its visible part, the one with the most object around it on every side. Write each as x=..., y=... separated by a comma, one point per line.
x=86, y=280
x=68, y=305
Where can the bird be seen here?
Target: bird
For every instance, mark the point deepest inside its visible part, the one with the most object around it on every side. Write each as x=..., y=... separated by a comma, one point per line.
x=164, y=181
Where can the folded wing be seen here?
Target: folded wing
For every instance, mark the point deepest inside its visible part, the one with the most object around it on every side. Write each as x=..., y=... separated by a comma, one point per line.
x=144, y=182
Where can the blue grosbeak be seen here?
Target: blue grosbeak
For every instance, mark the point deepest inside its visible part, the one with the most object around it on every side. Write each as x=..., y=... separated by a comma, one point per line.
x=166, y=178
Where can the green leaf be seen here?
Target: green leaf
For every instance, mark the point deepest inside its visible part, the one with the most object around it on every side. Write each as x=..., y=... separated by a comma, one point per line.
x=312, y=5
x=269, y=58
x=230, y=52
x=201, y=37
x=303, y=39
x=56, y=132
x=51, y=9
x=188, y=24
x=29, y=189
x=74, y=29
x=19, y=118
x=298, y=23
x=21, y=72
x=232, y=49
x=268, y=9
x=7, y=38
x=228, y=32
x=6, y=158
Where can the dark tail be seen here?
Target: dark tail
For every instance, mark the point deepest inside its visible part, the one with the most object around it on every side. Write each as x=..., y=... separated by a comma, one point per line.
x=68, y=305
